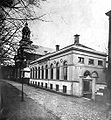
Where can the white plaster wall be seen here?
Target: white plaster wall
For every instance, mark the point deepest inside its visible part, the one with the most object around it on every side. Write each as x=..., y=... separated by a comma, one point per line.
x=76, y=91
x=72, y=87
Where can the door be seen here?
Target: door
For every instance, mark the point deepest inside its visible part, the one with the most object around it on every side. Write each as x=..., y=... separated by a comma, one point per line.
x=87, y=88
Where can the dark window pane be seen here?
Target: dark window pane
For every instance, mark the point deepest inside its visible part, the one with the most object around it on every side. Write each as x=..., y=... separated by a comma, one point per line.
x=51, y=86
x=64, y=89
x=57, y=87
x=100, y=62
x=80, y=59
x=91, y=62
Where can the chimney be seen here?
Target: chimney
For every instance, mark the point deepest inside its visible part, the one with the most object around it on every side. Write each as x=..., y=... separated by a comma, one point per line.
x=45, y=52
x=57, y=47
x=76, y=39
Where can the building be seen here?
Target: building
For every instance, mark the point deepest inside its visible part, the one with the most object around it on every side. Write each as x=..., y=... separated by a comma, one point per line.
x=27, y=52
x=74, y=70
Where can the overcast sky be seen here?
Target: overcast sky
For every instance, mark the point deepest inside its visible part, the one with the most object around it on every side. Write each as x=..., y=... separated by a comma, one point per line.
x=69, y=17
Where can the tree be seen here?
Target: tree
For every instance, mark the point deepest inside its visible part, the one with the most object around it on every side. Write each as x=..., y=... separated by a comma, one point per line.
x=13, y=14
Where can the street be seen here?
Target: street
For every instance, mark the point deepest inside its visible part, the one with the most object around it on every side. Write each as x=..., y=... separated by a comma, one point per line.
x=65, y=107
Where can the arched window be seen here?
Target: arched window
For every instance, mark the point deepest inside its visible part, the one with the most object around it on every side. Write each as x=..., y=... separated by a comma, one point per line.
x=46, y=71
x=57, y=71
x=94, y=74
x=51, y=71
x=38, y=72
x=42, y=72
x=87, y=73
x=65, y=70
x=33, y=73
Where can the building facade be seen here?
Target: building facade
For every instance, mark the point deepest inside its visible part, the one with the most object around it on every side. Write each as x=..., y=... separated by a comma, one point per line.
x=74, y=70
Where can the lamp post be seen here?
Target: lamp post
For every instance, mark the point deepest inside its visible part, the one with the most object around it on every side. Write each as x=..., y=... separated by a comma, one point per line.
x=22, y=60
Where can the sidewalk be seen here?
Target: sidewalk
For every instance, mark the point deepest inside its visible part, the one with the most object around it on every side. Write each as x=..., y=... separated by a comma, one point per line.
x=65, y=107
x=14, y=109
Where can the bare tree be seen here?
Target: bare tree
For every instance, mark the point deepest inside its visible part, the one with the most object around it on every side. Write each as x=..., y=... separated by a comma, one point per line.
x=13, y=14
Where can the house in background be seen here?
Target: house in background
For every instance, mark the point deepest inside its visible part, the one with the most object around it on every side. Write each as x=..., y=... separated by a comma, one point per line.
x=74, y=70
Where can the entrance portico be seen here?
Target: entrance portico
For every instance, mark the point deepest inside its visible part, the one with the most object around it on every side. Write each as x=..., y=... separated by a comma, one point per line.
x=88, y=86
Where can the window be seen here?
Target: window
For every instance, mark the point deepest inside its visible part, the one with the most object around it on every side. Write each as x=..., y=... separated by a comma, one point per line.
x=64, y=89
x=81, y=60
x=51, y=86
x=87, y=73
x=31, y=73
x=51, y=71
x=34, y=73
x=45, y=85
x=35, y=83
x=38, y=83
x=57, y=87
x=38, y=72
x=46, y=72
x=41, y=84
x=94, y=74
x=100, y=62
x=65, y=70
x=57, y=71
x=91, y=62
x=42, y=72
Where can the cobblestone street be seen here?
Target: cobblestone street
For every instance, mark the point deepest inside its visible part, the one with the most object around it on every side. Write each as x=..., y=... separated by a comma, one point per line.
x=65, y=107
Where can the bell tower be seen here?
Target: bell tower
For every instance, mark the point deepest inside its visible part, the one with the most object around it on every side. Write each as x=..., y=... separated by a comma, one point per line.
x=25, y=36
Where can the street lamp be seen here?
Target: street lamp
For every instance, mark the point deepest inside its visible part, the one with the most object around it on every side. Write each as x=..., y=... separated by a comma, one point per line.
x=22, y=61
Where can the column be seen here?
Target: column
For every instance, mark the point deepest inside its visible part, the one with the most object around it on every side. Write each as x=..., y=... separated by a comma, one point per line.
x=44, y=73
x=49, y=73
x=61, y=73
x=69, y=72
x=37, y=73
x=40, y=73
x=80, y=86
x=54, y=73
x=93, y=88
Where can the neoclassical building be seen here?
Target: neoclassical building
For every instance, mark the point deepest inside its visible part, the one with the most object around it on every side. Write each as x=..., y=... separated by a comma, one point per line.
x=74, y=70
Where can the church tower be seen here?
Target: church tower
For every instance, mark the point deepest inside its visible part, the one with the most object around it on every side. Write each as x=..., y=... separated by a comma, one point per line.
x=25, y=36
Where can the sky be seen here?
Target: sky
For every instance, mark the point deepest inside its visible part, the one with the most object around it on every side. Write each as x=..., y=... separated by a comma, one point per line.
x=69, y=17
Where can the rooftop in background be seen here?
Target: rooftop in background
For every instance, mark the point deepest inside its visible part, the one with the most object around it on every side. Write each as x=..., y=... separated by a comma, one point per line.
x=40, y=50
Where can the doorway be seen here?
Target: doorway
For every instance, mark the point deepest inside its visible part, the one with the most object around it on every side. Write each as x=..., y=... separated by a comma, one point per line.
x=87, y=88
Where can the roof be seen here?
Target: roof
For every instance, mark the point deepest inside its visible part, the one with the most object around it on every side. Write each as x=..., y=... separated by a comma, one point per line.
x=77, y=47
x=40, y=50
